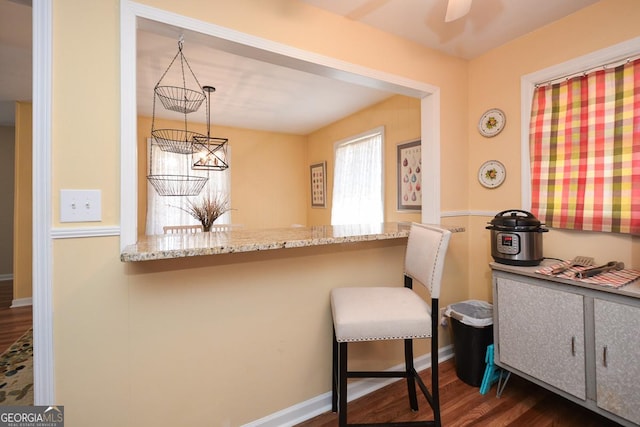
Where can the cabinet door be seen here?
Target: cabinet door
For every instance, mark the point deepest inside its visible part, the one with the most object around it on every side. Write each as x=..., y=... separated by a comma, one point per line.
x=541, y=333
x=618, y=358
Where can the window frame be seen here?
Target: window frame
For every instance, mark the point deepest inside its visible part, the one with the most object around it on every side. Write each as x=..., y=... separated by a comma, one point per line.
x=354, y=139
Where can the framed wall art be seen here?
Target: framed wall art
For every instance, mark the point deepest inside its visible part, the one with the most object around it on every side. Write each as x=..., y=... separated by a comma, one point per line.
x=319, y=185
x=410, y=176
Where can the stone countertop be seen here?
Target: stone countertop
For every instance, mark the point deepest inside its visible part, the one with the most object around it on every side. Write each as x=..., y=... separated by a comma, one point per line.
x=168, y=246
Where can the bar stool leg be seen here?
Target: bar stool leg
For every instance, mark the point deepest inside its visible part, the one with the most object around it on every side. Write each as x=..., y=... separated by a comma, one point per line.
x=435, y=376
x=411, y=382
x=342, y=375
x=334, y=381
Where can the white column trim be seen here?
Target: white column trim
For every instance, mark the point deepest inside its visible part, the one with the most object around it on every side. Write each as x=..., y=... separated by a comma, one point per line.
x=43, y=356
x=430, y=153
x=128, y=127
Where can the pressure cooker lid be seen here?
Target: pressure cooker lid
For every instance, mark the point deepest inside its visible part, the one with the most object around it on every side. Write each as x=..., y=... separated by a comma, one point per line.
x=515, y=219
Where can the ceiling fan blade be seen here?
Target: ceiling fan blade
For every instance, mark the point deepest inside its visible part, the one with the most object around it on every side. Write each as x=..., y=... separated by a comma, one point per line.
x=457, y=9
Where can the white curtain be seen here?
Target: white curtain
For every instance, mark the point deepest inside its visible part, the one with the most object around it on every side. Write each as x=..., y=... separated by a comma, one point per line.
x=165, y=210
x=357, y=183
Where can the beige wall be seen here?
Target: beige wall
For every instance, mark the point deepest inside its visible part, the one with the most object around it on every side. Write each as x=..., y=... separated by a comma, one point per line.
x=494, y=81
x=400, y=116
x=7, y=155
x=22, y=208
x=86, y=104
x=224, y=340
x=268, y=174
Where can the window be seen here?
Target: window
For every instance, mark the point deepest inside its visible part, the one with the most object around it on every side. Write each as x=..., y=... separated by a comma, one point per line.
x=165, y=210
x=358, y=195
x=585, y=151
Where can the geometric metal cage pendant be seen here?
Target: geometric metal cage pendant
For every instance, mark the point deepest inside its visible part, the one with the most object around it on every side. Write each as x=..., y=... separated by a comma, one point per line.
x=209, y=153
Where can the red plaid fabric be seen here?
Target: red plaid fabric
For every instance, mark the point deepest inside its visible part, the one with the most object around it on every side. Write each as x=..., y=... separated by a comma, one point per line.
x=612, y=279
x=584, y=141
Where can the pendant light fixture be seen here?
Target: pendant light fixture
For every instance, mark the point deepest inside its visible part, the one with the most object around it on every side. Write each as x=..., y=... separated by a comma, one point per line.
x=209, y=153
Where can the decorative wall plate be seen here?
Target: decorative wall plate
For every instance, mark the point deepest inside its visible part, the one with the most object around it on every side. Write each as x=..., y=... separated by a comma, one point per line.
x=492, y=174
x=492, y=122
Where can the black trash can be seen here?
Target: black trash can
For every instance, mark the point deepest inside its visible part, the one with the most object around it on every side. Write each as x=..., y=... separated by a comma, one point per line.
x=471, y=332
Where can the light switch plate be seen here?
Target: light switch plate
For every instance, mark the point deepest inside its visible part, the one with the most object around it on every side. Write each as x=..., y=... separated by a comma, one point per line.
x=80, y=205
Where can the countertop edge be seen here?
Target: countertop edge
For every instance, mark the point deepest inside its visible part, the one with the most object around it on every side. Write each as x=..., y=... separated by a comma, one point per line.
x=240, y=241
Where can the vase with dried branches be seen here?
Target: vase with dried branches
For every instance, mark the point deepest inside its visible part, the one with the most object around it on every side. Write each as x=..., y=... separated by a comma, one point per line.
x=207, y=209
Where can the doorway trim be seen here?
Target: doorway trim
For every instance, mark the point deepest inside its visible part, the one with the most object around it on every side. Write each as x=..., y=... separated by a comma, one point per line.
x=276, y=53
x=43, y=372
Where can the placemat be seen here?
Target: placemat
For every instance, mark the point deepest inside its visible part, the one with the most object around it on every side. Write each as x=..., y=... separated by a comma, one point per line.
x=613, y=279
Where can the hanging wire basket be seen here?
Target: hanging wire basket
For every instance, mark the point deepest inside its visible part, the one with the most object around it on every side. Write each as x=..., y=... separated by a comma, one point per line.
x=179, y=99
x=177, y=185
x=178, y=141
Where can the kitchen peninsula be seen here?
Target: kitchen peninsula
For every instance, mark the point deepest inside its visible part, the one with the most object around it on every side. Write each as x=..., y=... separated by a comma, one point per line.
x=238, y=241
x=204, y=307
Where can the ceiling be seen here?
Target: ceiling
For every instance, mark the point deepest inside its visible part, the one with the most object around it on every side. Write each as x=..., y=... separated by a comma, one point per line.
x=489, y=23
x=255, y=94
x=250, y=93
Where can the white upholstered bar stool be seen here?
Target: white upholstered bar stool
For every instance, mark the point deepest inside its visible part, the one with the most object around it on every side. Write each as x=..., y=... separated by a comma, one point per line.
x=393, y=313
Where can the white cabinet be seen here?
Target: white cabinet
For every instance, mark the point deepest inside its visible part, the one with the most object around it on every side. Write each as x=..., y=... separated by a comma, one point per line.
x=581, y=342
x=542, y=334
x=617, y=338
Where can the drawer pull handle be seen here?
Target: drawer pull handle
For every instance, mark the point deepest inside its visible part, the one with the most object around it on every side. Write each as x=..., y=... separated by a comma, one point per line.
x=604, y=356
x=573, y=346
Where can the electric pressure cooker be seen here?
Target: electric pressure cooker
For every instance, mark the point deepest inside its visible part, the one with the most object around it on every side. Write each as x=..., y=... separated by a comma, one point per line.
x=516, y=238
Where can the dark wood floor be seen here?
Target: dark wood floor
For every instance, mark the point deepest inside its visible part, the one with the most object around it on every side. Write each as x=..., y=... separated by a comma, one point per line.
x=14, y=322
x=522, y=404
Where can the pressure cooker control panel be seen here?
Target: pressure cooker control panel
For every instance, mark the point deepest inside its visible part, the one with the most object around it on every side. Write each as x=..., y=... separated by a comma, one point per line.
x=508, y=243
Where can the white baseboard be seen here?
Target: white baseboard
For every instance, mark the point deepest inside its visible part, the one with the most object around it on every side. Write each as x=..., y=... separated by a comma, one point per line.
x=21, y=302
x=320, y=404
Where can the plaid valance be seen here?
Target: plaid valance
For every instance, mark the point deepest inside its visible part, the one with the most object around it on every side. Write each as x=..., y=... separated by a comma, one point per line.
x=584, y=140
